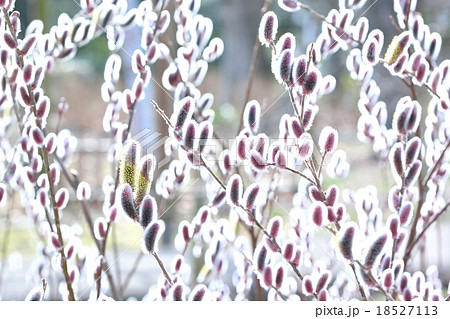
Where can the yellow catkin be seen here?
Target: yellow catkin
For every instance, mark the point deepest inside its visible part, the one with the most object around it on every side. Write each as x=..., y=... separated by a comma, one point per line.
x=393, y=52
x=128, y=170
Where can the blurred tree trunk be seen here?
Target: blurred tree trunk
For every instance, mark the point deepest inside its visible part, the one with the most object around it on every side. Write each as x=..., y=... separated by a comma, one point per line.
x=240, y=20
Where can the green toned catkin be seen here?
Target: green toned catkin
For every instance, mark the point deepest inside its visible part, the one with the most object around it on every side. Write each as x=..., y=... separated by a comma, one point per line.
x=129, y=156
x=144, y=177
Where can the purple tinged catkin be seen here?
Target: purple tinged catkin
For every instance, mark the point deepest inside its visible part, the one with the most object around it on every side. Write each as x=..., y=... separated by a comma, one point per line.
x=268, y=28
x=127, y=201
x=257, y=161
x=374, y=250
x=328, y=139
x=260, y=258
x=198, y=293
x=83, y=191
x=9, y=40
x=185, y=112
x=299, y=68
x=234, y=190
x=54, y=241
x=274, y=226
x=252, y=113
x=397, y=159
x=414, y=118
x=177, y=292
x=311, y=80
x=190, y=135
x=288, y=250
x=387, y=278
x=295, y=128
x=285, y=66
x=250, y=195
x=412, y=150
x=305, y=146
x=405, y=213
x=62, y=198
x=289, y=5
x=27, y=73
x=323, y=281
x=308, y=288
x=206, y=132
x=220, y=198
x=280, y=159
x=346, y=237
x=279, y=276
x=393, y=222
x=317, y=211
x=413, y=173
x=332, y=195
x=152, y=234
x=100, y=228
x=315, y=194
x=37, y=135
x=267, y=276
x=148, y=211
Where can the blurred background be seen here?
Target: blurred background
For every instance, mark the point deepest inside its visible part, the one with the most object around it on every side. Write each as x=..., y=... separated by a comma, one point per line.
x=236, y=22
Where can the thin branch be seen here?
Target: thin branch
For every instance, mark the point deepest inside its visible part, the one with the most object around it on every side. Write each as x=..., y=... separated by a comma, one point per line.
x=161, y=265
x=254, y=60
x=416, y=240
x=360, y=287
x=436, y=165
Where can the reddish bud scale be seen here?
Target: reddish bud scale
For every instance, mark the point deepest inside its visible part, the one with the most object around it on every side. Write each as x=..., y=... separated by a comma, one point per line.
x=127, y=201
x=374, y=250
x=407, y=295
x=267, y=276
x=340, y=212
x=24, y=95
x=323, y=295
